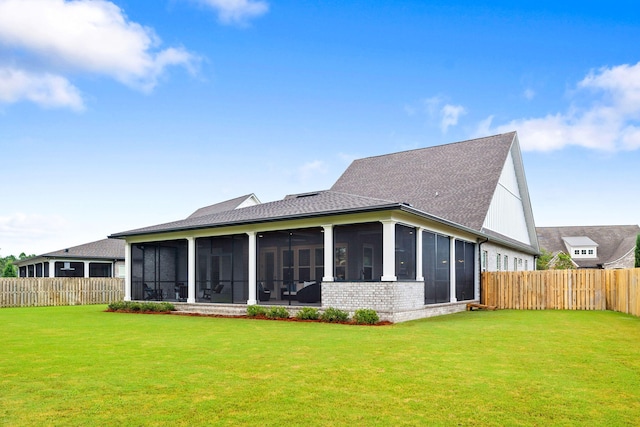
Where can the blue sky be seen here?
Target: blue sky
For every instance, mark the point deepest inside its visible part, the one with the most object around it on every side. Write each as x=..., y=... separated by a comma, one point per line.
x=121, y=114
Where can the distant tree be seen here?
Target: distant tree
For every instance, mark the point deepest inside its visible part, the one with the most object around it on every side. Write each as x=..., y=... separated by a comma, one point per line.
x=9, y=270
x=548, y=261
x=638, y=251
x=542, y=263
x=563, y=262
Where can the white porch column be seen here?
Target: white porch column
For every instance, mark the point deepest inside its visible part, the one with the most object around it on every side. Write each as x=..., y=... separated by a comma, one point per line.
x=419, y=276
x=328, y=253
x=52, y=268
x=252, y=268
x=127, y=271
x=86, y=268
x=388, y=251
x=452, y=272
x=191, y=270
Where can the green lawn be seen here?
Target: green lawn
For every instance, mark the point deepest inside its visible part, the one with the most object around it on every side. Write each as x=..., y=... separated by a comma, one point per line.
x=84, y=366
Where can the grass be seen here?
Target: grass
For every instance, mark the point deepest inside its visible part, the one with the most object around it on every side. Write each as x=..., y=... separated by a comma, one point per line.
x=83, y=366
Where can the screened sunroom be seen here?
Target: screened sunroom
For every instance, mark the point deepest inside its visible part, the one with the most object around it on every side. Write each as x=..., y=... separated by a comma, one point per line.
x=291, y=265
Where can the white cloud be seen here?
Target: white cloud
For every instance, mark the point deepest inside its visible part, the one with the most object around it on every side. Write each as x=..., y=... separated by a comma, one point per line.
x=46, y=90
x=605, y=115
x=449, y=116
x=84, y=36
x=438, y=111
x=237, y=11
x=30, y=233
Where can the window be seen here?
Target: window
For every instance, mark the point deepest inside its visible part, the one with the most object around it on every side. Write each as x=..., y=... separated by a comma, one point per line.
x=340, y=259
x=405, y=252
x=576, y=252
x=436, y=268
x=69, y=269
x=590, y=251
x=526, y=264
x=367, y=262
x=358, y=252
x=99, y=269
x=485, y=256
x=287, y=259
x=465, y=268
x=584, y=252
x=498, y=266
x=157, y=268
x=506, y=263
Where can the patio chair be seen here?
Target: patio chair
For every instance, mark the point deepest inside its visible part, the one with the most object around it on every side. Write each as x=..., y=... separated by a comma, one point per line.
x=263, y=294
x=311, y=293
x=152, y=294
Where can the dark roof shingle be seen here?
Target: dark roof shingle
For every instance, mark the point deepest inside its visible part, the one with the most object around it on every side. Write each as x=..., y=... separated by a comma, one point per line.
x=453, y=181
x=306, y=205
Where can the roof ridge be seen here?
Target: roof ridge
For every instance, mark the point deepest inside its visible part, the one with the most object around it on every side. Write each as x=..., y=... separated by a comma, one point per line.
x=435, y=146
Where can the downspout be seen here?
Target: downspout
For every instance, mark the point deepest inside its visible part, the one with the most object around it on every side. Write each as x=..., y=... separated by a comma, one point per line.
x=480, y=266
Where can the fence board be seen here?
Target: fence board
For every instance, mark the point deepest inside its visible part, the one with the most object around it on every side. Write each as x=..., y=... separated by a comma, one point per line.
x=617, y=290
x=31, y=291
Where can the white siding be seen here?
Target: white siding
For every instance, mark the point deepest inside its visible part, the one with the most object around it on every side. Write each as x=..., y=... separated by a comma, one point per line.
x=492, y=253
x=506, y=212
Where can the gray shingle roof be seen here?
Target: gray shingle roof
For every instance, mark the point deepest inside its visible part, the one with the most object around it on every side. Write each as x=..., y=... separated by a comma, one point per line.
x=613, y=241
x=301, y=206
x=105, y=248
x=111, y=249
x=453, y=181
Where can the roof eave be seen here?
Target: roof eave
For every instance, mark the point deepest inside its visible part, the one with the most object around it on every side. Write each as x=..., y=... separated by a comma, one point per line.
x=133, y=233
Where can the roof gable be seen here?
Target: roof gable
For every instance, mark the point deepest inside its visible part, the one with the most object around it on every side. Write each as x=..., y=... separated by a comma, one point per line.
x=453, y=181
x=510, y=213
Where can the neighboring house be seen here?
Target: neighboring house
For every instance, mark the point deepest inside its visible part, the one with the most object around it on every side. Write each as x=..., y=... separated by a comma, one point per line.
x=406, y=234
x=608, y=246
x=104, y=258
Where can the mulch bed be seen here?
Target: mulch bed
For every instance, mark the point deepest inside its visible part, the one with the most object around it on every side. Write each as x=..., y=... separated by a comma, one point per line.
x=244, y=316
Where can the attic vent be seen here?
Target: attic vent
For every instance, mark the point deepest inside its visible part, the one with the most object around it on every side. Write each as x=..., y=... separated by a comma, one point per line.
x=300, y=196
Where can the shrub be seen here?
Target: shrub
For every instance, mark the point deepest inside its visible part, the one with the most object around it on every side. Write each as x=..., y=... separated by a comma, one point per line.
x=366, y=316
x=256, y=310
x=308, y=313
x=135, y=306
x=277, y=313
x=117, y=306
x=334, y=315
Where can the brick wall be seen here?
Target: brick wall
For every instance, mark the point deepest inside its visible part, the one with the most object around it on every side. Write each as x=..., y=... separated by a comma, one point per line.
x=393, y=301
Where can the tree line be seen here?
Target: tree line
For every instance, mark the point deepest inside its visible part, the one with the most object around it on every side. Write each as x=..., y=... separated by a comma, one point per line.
x=7, y=269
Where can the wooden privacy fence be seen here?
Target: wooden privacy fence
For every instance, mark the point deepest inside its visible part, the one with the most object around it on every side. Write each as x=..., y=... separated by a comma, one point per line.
x=44, y=291
x=617, y=290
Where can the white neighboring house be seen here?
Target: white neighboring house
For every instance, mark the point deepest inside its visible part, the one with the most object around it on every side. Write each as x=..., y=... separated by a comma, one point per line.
x=601, y=246
x=406, y=234
x=103, y=258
